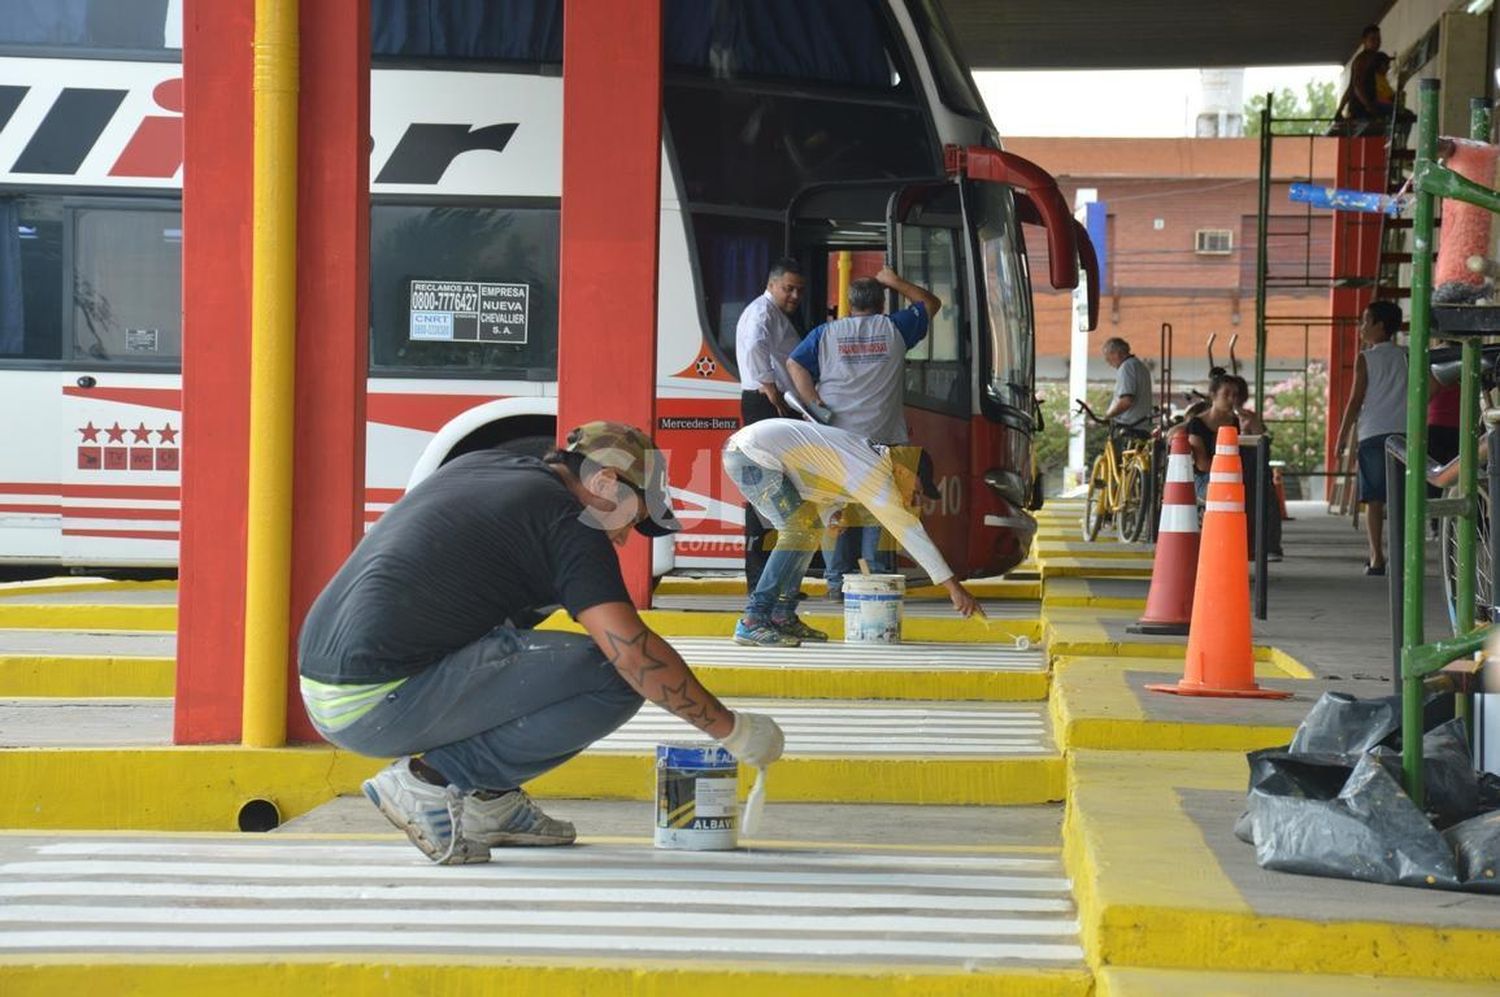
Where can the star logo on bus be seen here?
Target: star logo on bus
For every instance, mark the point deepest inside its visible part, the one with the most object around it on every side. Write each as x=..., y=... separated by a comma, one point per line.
x=141, y=433
x=116, y=433
x=90, y=432
x=167, y=434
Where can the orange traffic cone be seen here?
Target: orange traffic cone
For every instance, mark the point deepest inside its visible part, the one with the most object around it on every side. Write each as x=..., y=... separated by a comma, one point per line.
x=1169, y=604
x=1220, y=660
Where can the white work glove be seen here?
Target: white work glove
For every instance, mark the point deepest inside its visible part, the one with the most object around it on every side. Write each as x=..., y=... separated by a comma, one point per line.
x=755, y=739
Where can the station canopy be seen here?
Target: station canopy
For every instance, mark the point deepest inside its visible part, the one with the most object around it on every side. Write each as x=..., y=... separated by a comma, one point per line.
x=1157, y=34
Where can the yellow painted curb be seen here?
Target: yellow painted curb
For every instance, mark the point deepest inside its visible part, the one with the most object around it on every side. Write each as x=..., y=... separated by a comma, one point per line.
x=1085, y=550
x=1092, y=706
x=1069, y=567
x=851, y=683
x=1151, y=893
x=374, y=974
x=693, y=623
x=1078, y=642
x=83, y=677
x=1121, y=981
x=64, y=584
x=203, y=788
x=43, y=616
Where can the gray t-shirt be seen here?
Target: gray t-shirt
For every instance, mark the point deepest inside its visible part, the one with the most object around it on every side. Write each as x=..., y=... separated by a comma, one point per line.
x=859, y=364
x=1133, y=378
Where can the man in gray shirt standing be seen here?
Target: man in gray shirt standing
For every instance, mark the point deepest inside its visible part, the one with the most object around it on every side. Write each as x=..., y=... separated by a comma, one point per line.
x=1131, y=406
x=856, y=366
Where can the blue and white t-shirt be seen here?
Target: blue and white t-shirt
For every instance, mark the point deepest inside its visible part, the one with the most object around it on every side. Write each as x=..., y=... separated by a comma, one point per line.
x=859, y=363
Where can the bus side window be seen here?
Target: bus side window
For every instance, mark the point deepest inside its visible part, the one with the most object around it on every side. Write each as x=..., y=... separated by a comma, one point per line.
x=935, y=373
x=127, y=286
x=31, y=278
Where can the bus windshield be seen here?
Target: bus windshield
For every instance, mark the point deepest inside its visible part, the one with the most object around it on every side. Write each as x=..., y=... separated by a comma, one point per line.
x=1008, y=365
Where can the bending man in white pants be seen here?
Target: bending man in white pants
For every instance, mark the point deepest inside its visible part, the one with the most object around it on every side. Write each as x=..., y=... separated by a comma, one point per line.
x=800, y=475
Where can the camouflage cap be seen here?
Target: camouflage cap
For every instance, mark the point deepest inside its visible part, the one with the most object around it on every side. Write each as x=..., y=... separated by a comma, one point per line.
x=634, y=456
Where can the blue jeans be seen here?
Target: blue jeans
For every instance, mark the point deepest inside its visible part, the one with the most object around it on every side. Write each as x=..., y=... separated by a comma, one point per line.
x=841, y=556
x=798, y=529
x=501, y=711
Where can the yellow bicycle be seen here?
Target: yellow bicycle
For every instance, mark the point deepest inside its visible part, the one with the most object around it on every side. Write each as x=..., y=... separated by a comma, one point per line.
x=1119, y=483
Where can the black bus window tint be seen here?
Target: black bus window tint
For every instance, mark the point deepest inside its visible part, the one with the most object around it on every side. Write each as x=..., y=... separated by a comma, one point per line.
x=955, y=84
x=734, y=255
x=842, y=42
x=464, y=291
x=31, y=268
x=513, y=31
x=125, y=25
x=127, y=287
x=739, y=148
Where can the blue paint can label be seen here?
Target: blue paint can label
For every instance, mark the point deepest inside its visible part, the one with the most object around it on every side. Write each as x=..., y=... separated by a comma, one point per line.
x=696, y=808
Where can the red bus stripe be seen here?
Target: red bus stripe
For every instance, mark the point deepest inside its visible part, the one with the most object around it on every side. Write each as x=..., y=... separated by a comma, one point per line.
x=169, y=493
x=383, y=494
x=124, y=534
x=53, y=510
x=116, y=512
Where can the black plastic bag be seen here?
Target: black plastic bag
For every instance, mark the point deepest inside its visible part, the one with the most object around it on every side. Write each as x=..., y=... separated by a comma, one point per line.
x=1476, y=845
x=1368, y=829
x=1340, y=724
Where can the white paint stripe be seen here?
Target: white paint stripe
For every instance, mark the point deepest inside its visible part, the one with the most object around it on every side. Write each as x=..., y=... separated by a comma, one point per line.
x=844, y=749
x=503, y=873
x=677, y=944
x=452, y=891
x=868, y=710
x=1178, y=519
x=1224, y=507
x=274, y=847
x=832, y=922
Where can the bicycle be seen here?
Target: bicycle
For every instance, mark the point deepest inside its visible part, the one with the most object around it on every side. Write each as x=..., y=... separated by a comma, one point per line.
x=1118, y=486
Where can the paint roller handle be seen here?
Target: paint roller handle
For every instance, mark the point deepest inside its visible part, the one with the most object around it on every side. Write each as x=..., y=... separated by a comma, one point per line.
x=755, y=739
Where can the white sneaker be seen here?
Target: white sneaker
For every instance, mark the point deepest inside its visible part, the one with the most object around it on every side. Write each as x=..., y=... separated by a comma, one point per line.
x=432, y=816
x=513, y=819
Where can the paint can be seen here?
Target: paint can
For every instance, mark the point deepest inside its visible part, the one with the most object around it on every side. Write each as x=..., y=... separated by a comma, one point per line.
x=872, y=608
x=696, y=807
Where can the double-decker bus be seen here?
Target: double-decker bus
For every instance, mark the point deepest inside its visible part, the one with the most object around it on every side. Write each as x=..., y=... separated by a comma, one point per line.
x=814, y=128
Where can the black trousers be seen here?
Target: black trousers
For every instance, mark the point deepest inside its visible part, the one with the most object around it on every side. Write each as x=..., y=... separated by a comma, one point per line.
x=759, y=537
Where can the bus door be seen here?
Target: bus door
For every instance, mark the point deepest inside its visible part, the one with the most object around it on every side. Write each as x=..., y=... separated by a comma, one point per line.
x=121, y=424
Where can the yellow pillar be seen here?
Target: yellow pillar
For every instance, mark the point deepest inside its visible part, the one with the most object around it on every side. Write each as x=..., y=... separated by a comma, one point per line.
x=273, y=314
x=846, y=270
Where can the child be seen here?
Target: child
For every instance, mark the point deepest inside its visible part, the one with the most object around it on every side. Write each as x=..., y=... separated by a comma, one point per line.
x=1376, y=409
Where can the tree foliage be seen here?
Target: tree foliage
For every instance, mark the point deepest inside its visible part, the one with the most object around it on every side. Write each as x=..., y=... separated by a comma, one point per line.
x=1317, y=101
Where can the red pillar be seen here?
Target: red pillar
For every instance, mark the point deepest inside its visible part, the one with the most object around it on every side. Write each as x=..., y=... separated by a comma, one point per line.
x=333, y=300
x=216, y=196
x=610, y=218
x=332, y=337
x=1356, y=264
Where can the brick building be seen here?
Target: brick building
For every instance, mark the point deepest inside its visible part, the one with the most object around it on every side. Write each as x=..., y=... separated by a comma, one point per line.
x=1181, y=248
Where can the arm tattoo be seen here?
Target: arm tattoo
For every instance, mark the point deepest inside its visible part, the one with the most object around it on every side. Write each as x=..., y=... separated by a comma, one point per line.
x=687, y=699
x=622, y=650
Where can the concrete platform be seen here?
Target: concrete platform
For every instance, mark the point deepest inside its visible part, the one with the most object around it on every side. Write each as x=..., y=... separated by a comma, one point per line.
x=564, y=915
x=95, y=642
x=1161, y=882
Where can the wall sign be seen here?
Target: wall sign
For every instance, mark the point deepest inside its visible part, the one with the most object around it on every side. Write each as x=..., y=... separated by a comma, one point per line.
x=468, y=312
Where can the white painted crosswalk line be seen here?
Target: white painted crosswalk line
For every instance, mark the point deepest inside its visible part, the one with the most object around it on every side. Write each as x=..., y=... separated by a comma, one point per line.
x=862, y=729
x=836, y=655
x=599, y=900
x=997, y=609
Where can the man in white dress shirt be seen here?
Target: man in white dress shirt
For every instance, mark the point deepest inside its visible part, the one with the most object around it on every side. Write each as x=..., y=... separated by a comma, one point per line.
x=763, y=338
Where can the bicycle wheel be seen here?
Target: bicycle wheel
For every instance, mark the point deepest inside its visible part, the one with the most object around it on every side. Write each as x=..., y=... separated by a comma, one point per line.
x=1096, y=503
x=1131, y=518
x=1448, y=543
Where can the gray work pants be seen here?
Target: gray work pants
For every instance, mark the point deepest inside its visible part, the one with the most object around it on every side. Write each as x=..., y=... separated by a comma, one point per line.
x=501, y=711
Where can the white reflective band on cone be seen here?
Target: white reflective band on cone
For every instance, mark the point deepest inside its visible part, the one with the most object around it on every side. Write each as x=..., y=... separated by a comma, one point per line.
x=1178, y=519
x=1225, y=507
x=1180, y=468
x=1224, y=477
x=1226, y=450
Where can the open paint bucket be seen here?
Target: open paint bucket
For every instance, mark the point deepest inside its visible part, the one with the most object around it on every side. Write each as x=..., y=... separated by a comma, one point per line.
x=695, y=797
x=872, y=608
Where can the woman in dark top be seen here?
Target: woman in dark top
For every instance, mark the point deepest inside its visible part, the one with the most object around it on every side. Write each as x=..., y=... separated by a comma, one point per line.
x=1203, y=428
